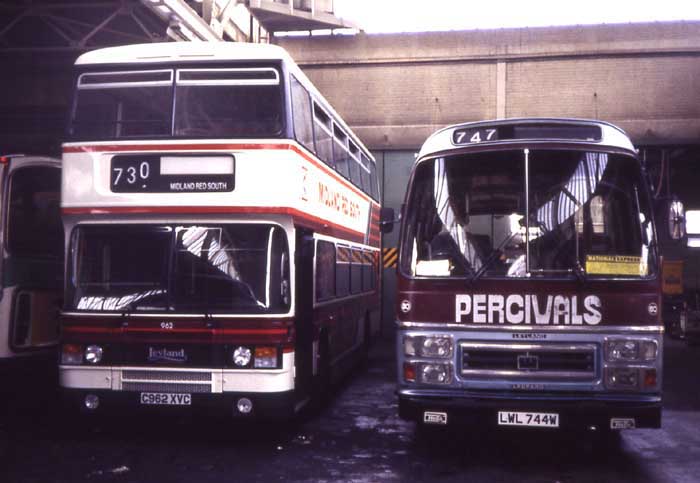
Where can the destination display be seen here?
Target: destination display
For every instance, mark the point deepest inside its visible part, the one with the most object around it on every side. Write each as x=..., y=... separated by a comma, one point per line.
x=537, y=131
x=147, y=173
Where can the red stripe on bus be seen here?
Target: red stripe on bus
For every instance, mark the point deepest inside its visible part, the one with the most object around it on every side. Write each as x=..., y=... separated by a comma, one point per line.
x=104, y=330
x=209, y=331
x=218, y=146
x=89, y=330
x=207, y=209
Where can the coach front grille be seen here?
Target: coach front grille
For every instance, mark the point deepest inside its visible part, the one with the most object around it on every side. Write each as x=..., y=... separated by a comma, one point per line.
x=529, y=361
x=165, y=387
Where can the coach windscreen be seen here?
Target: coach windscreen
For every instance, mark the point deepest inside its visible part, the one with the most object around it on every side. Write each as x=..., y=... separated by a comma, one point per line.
x=528, y=213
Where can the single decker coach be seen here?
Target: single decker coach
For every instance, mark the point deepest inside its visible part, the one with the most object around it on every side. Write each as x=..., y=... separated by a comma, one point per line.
x=222, y=232
x=528, y=282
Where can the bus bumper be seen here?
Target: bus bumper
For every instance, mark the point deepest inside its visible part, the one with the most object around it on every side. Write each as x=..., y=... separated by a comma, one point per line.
x=267, y=406
x=573, y=413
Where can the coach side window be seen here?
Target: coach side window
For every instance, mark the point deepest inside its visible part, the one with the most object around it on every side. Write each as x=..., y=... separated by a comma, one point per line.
x=325, y=270
x=323, y=135
x=301, y=111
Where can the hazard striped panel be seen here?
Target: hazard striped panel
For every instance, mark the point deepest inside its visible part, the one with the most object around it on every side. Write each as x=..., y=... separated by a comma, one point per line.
x=390, y=256
x=344, y=255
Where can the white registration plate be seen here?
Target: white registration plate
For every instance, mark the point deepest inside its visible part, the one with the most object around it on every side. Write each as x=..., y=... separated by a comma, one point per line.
x=512, y=418
x=166, y=399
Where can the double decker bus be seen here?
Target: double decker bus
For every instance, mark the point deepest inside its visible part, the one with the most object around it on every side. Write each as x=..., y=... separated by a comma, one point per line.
x=222, y=232
x=31, y=241
x=529, y=290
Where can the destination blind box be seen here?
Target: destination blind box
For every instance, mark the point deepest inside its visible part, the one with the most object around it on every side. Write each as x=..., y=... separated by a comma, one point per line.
x=526, y=131
x=172, y=173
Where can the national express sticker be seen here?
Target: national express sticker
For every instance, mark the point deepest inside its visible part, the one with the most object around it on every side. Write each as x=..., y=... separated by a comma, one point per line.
x=615, y=265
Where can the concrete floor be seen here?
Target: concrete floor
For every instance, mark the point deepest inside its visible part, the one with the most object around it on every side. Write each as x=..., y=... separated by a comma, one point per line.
x=358, y=438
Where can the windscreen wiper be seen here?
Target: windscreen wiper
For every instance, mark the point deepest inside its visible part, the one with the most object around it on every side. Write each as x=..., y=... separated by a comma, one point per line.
x=490, y=259
x=126, y=313
x=580, y=272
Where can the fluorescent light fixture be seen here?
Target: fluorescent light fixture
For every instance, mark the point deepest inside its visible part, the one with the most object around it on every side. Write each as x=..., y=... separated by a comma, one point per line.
x=692, y=222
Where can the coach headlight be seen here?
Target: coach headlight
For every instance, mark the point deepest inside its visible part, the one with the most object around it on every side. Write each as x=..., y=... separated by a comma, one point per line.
x=241, y=356
x=93, y=354
x=630, y=350
x=428, y=346
x=435, y=373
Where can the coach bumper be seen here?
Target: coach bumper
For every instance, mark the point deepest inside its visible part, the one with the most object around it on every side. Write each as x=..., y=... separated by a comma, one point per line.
x=574, y=411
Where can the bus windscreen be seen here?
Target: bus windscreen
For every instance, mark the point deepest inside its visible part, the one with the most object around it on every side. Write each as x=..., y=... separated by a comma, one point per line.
x=224, y=269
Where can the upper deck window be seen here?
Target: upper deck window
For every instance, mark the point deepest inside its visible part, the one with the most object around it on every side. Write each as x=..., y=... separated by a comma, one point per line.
x=208, y=103
x=125, y=79
x=114, y=105
x=228, y=103
x=341, y=157
x=254, y=76
x=301, y=112
x=323, y=128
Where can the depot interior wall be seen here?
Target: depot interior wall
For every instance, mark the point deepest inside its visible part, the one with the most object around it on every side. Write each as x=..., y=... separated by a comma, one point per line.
x=396, y=89
x=654, y=98
x=399, y=105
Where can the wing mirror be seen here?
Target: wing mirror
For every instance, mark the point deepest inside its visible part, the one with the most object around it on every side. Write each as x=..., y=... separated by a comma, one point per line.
x=676, y=219
x=387, y=218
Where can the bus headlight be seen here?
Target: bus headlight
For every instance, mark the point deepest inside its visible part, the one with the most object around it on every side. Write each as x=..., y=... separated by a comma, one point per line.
x=424, y=346
x=72, y=354
x=241, y=356
x=630, y=350
x=93, y=354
